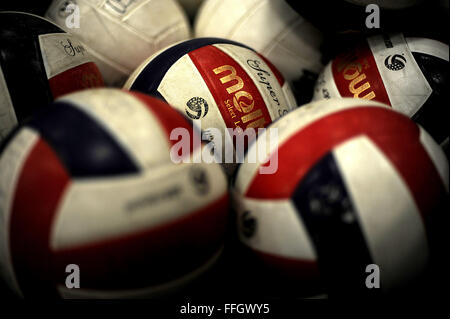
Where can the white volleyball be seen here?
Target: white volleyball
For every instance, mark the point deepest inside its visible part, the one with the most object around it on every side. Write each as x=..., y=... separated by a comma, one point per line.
x=121, y=34
x=271, y=27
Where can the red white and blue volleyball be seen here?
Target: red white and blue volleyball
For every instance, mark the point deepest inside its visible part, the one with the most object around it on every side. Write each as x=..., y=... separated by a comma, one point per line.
x=89, y=182
x=221, y=83
x=357, y=185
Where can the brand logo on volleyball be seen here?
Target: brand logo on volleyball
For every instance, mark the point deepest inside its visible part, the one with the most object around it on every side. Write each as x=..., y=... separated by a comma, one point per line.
x=395, y=62
x=242, y=100
x=197, y=108
x=359, y=85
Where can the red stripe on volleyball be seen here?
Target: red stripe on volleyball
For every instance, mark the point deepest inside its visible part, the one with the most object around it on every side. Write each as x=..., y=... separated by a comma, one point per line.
x=274, y=70
x=84, y=76
x=209, y=60
x=150, y=257
x=356, y=75
x=393, y=133
x=33, y=211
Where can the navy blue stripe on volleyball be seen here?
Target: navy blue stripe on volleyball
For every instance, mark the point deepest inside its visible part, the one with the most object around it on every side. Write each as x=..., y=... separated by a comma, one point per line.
x=84, y=147
x=151, y=76
x=325, y=207
x=433, y=114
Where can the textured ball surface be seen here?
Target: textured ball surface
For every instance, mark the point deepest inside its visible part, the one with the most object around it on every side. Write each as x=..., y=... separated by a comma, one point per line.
x=221, y=83
x=409, y=74
x=122, y=34
x=357, y=184
x=89, y=182
x=271, y=27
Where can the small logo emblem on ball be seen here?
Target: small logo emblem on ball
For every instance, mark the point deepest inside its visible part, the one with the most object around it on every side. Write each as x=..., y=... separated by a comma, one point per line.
x=395, y=62
x=196, y=108
x=200, y=181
